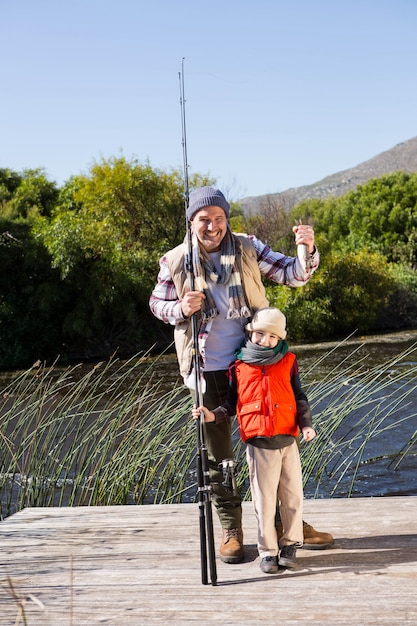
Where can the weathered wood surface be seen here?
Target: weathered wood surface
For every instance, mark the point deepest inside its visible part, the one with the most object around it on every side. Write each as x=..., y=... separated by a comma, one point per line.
x=141, y=565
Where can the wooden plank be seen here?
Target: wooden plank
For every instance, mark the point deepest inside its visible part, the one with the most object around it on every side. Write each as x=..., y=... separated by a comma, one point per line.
x=141, y=565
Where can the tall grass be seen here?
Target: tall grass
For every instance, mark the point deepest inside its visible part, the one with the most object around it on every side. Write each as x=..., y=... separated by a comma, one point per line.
x=365, y=416
x=112, y=435
x=116, y=435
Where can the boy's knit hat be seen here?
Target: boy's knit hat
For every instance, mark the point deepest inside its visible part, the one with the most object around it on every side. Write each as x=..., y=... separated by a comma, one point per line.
x=269, y=320
x=206, y=196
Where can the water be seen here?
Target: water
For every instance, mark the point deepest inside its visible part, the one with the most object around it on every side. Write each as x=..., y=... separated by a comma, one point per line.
x=377, y=472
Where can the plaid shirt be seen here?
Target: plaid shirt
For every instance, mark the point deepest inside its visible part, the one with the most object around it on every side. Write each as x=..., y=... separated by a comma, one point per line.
x=281, y=269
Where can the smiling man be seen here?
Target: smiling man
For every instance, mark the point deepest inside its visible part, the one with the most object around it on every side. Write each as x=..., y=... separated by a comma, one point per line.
x=228, y=270
x=210, y=226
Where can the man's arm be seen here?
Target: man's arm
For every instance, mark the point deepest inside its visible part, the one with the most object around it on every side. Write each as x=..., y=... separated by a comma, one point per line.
x=282, y=269
x=164, y=302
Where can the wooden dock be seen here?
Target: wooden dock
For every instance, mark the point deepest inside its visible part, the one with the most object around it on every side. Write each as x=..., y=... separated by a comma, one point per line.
x=140, y=565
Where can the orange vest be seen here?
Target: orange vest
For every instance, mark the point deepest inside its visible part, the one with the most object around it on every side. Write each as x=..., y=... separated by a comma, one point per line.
x=266, y=403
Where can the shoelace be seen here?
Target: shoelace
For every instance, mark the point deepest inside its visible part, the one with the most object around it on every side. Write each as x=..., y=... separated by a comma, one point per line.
x=289, y=551
x=232, y=533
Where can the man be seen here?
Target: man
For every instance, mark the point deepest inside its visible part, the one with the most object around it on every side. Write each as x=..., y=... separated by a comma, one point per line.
x=228, y=291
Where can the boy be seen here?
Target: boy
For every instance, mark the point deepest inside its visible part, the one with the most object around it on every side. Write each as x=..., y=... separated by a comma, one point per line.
x=266, y=395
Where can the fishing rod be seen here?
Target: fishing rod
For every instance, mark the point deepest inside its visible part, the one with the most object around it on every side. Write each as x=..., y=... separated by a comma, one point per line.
x=207, y=549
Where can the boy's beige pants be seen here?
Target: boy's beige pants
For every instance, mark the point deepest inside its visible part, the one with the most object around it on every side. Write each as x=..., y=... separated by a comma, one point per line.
x=276, y=474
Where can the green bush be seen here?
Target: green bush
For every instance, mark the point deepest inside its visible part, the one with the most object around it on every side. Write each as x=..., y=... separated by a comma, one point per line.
x=401, y=311
x=79, y=263
x=33, y=300
x=349, y=292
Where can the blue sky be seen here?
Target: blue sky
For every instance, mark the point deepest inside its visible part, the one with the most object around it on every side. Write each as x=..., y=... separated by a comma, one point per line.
x=278, y=94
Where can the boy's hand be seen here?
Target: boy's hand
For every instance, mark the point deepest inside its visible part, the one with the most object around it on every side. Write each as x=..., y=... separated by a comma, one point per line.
x=208, y=415
x=308, y=433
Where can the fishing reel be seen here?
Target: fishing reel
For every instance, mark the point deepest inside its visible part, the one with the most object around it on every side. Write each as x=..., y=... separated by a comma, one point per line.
x=228, y=467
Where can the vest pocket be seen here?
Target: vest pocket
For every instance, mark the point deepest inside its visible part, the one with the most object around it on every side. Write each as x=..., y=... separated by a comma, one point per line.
x=251, y=420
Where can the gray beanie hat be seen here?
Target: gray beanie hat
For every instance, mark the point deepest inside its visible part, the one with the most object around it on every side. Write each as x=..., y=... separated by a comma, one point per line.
x=206, y=196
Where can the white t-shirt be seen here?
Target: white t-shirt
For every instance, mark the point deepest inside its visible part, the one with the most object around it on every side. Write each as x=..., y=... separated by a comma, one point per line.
x=225, y=335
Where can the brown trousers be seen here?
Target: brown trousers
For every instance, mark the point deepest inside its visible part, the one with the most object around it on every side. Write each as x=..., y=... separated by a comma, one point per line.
x=218, y=439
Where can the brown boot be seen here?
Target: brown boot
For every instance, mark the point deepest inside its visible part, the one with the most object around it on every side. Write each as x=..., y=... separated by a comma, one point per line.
x=313, y=539
x=231, y=549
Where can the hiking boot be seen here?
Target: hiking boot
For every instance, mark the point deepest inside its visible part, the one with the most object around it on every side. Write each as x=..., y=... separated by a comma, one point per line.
x=269, y=565
x=231, y=549
x=287, y=557
x=313, y=539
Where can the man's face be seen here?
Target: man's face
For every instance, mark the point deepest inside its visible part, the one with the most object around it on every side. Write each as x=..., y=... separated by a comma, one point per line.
x=210, y=225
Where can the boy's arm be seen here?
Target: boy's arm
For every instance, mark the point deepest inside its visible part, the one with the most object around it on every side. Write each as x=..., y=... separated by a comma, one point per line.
x=304, y=417
x=228, y=409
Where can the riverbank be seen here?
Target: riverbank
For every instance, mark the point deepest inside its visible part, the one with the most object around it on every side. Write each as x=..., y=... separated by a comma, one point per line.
x=141, y=565
x=399, y=337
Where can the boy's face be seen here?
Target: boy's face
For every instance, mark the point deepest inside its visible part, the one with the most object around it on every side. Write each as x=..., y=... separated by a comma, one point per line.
x=264, y=339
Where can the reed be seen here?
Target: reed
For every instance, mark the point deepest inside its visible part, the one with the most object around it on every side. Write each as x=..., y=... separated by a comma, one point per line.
x=116, y=435
x=361, y=410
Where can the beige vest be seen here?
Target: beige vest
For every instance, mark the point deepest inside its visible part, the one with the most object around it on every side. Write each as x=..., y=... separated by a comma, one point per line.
x=251, y=284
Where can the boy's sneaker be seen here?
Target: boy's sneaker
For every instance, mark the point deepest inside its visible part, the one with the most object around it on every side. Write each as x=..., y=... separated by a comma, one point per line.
x=287, y=558
x=269, y=565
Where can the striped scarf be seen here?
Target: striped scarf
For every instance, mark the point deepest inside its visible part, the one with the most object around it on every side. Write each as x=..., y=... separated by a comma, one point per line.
x=257, y=355
x=229, y=275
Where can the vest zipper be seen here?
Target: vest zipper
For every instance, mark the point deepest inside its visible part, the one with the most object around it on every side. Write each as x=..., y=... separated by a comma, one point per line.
x=267, y=395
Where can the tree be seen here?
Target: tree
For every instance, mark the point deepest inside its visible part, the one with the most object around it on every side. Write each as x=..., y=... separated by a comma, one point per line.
x=33, y=299
x=32, y=294
x=350, y=292
x=378, y=216
x=27, y=194
x=9, y=182
x=106, y=235
x=271, y=224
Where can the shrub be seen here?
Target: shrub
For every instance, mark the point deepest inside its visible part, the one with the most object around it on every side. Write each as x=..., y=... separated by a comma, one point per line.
x=349, y=292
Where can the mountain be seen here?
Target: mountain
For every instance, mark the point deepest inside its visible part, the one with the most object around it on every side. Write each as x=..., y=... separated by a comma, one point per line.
x=402, y=157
